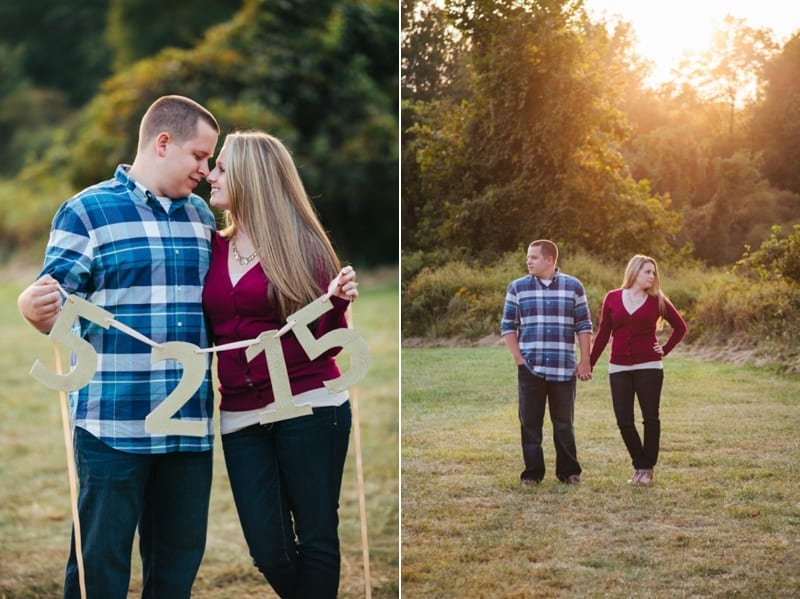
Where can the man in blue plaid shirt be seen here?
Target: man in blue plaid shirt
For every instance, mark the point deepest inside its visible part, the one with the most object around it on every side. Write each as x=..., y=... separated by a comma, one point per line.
x=138, y=246
x=542, y=315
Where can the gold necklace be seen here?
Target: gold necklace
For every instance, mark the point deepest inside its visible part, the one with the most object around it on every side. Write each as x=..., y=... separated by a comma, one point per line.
x=236, y=256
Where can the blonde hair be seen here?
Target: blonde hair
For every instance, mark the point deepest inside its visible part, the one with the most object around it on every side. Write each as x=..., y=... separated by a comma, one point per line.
x=635, y=265
x=268, y=200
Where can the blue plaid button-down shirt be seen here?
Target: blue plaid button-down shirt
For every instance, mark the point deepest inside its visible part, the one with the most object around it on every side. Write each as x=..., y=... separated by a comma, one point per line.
x=546, y=319
x=114, y=245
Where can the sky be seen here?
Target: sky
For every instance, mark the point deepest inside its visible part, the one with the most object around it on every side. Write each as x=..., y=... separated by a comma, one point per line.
x=666, y=28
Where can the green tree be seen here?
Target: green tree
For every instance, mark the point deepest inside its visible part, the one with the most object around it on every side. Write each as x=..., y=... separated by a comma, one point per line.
x=27, y=113
x=776, y=121
x=739, y=213
x=60, y=44
x=140, y=28
x=778, y=256
x=533, y=148
x=322, y=76
x=682, y=144
x=673, y=142
x=431, y=48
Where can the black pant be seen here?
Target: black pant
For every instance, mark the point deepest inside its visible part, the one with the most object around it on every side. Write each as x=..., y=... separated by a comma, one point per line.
x=534, y=393
x=646, y=385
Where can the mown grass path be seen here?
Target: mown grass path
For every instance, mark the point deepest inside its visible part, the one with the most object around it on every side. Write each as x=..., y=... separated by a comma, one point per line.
x=723, y=519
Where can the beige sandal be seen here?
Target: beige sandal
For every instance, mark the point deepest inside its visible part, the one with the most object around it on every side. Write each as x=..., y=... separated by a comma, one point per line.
x=645, y=478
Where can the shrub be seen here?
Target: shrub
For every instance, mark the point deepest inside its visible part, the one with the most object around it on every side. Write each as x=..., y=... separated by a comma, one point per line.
x=777, y=257
x=597, y=276
x=26, y=210
x=765, y=316
x=723, y=309
x=454, y=300
x=413, y=262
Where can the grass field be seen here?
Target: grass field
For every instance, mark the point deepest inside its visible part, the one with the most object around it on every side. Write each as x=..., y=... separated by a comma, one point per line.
x=35, y=516
x=723, y=519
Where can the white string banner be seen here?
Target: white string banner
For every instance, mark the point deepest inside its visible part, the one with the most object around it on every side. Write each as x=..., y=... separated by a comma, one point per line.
x=161, y=420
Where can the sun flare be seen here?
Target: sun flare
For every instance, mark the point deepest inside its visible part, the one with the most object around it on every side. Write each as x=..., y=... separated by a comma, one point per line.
x=668, y=31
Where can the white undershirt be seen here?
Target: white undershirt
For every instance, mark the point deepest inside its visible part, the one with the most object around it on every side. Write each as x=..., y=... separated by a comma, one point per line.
x=236, y=276
x=656, y=364
x=165, y=203
x=230, y=422
x=163, y=200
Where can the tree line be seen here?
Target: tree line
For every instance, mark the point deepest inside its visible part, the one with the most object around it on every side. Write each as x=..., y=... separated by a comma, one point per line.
x=75, y=78
x=527, y=118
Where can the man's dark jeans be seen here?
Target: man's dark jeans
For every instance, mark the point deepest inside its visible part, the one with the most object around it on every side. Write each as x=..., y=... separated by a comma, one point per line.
x=166, y=495
x=534, y=394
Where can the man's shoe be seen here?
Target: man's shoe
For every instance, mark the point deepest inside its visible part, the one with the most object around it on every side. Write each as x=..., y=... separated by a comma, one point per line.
x=645, y=479
x=529, y=482
x=573, y=479
x=634, y=480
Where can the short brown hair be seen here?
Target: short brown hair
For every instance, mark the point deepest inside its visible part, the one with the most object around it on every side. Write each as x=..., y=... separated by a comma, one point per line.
x=177, y=115
x=547, y=247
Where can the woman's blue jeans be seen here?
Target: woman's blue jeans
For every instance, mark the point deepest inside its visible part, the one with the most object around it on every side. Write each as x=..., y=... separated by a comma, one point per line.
x=166, y=495
x=286, y=477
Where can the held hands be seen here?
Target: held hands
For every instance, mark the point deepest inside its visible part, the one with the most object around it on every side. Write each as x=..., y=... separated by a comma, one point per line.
x=584, y=370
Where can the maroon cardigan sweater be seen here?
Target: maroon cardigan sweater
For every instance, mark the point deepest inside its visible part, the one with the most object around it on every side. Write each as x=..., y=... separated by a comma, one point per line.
x=239, y=312
x=634, y=335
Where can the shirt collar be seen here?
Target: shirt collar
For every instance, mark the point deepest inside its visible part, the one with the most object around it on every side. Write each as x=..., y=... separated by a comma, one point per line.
x=553, y=280
x=139, y=191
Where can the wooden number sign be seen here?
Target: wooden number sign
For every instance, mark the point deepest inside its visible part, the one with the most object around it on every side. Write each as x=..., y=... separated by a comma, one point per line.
x=161, y=420
x=85, y=357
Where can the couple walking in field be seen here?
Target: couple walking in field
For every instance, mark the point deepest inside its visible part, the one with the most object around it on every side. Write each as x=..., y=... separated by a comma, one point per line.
x=543, y=313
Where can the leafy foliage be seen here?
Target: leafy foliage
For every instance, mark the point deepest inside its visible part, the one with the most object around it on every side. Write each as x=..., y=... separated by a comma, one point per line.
x=539, y=125
x=734, y=312
x=729, y=70
x=776, y=120
x=457, y=298
x=322, y=76
x=525, y=142
x=778, y=257
x=526, y=119
x=140, y=28
x=60, y=44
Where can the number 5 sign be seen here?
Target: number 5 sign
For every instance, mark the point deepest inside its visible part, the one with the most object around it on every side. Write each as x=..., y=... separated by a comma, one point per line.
x=161, y=420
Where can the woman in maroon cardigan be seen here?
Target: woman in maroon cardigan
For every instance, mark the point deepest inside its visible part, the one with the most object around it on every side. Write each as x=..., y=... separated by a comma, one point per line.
x=271, y=259
x=631, y=315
